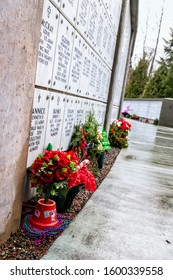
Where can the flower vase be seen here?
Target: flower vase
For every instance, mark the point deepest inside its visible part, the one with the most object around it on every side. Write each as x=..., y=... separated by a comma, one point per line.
x=45, y=215
x=64, y=202
x=101, y=160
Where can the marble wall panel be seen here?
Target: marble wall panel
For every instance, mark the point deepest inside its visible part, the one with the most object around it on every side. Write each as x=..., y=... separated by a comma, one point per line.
x=100, y=27
x=105, y=36
x=82, y=16
x=57, y=3
x=99, y=78
x=55, y=120
x=38, y=124
x=68, y=122
x=115, y=14
x=76, y=64
x=85, y=71
x=93, y=75
x=122, y=58
x=92, y=24
x=69, y=9
x=48, y=33
x=63, y=54
x=88, y=104
x=80, y=112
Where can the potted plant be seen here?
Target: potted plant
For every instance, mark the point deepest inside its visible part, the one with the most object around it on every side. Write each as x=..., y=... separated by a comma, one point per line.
x=58, y=175
x=93, y=137
x=118, y=133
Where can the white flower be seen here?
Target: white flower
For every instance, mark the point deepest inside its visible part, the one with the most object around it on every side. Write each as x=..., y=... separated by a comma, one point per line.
x=119, y=123
x=100, y=147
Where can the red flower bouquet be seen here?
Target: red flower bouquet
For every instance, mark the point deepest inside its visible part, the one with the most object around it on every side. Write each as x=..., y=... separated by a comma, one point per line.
x=58, y=171
x=118, y=133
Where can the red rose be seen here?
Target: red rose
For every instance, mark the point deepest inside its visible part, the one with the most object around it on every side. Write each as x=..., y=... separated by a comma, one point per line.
x=46, y=178
x=61, y=176
x=72, y=156
x=37, y=165
x=50, y=154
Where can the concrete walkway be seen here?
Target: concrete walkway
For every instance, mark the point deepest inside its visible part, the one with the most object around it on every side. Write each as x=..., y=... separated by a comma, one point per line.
x=130, y=216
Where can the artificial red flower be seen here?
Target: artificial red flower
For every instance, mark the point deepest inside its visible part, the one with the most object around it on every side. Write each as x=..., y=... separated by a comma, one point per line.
x=74, y=180
x=61, y=176
x=51, y=154
x=46, y=178
x=87, y=178
x=36, y=167
x=59, y=166
x=39, y=166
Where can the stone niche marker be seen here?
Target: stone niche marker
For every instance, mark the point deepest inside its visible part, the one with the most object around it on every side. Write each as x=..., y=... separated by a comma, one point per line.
x=55, y=120
x=46, y=50
x=38, y=124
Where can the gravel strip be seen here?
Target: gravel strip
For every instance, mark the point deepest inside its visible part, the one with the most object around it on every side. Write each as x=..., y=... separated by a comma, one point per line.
x=21, y=247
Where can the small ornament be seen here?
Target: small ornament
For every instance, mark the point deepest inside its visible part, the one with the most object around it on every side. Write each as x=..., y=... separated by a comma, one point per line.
x=49, y=147
x=46, y=214
x=37, y=213
x=105, y=141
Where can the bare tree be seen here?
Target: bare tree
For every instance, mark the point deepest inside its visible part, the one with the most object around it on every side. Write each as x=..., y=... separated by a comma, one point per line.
x=145, y=37
x=157, y=40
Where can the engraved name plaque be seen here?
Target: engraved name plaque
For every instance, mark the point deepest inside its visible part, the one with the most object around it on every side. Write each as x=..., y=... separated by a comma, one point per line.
x=49, y=25
x=38, y=124
x=54, y=120
x=63, y=54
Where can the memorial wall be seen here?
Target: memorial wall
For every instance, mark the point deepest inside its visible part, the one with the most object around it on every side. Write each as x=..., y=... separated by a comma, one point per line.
x=144, y=107
x=56, y=67
x=74, y=66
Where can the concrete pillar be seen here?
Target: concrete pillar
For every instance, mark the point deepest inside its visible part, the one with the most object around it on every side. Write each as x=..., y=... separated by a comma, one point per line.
x=134, y=19
x=133, y=35
x=19, y=33
x=111, y=95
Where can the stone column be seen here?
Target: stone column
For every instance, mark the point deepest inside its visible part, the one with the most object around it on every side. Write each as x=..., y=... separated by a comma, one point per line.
x=19, y=32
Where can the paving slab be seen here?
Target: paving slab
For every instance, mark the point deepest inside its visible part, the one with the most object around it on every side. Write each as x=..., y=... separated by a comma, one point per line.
x=130, y=216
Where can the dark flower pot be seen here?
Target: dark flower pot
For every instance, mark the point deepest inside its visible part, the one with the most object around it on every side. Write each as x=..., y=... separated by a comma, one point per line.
x=64, y=203
x=101, y=160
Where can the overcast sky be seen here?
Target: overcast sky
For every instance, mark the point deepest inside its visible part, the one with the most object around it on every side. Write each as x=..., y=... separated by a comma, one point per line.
x=152, y=9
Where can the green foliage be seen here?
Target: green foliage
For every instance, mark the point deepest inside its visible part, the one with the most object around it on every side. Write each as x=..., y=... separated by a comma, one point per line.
x=76, y=137
x=78, y=142
x=86, y=140
x=91, y=129
x=168, y=83
x=117, y=137
x=138, y=79
x=156, y=121
x=168, y=50
x=155, y=86
x=160, y=84
x=118, y=133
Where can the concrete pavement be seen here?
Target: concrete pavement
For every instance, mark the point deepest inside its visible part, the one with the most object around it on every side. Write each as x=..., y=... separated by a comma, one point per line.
x=130, y=216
